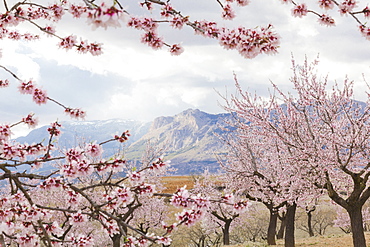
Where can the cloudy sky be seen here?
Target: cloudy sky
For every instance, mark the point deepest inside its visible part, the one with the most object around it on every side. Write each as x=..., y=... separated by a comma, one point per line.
x=132, y=81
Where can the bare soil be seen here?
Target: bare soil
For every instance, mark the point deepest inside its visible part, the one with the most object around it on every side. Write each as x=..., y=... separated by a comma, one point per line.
x=339, y=240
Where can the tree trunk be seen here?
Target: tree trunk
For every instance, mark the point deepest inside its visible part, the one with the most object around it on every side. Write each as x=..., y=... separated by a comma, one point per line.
x=309, y=223
x=116, y=239
x=358, y=236
x=289, y=231
x=271, y=231
x=280, y=234
x=226, y=232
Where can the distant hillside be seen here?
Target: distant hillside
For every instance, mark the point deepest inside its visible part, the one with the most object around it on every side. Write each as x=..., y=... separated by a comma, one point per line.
x=187, y=137
x=77, y=132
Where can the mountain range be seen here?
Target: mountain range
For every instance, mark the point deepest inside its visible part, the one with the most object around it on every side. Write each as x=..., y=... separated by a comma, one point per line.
x=189, y=139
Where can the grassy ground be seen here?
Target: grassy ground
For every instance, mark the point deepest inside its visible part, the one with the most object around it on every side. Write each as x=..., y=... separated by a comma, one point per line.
x=339, y=240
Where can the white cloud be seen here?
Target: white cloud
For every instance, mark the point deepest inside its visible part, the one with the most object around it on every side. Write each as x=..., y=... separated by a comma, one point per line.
x=132, y=80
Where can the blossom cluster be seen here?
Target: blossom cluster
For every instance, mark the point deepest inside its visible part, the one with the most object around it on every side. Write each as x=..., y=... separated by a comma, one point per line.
x=19, y=220
x=195, y=206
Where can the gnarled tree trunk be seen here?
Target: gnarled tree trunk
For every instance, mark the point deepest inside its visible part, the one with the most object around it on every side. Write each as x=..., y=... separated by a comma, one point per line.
x=289, y=231
x=357, y=225
x=226, y=232
x=271, y=231
x=280, y=234
x=309, y=220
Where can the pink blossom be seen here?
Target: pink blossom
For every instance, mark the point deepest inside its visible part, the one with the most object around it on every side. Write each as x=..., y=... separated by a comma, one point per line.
x=51, y=183
x=123, y=137
x=189, y=217
x=181, y=198
x=30, y=37
x=68, y=42
x=228, y=198
x=148, y=24
x=5, y=132
x=27, y=240
x=58, y=12
x=300, y=10
x=75, y=168
x=110, y=226
x=169, y=228
x=78, y=218
x=144, y=188
x=73, y=197
x=94, y=149
x=167, y=11
x=228, y=13
x=50, y=30
x=14, y=35
x=95, y=49
x=135, y=177
x=166, y=241
x=179, y=21
x=135, y=22
x=30, y=120
x=240, y=206
x=10, y=151
x=158, y=165
x=77, y=10
x=54, y=228
x=242, y=2
x=54, y=129
x=124, y=196
x=347, y=6
x=74, y=154
x=365, y=31
x=248, y=42
x=81, y=240
x=146, y=4
x=35, y=149
x=326, y=4
x=103, y=16
x=207, y=29
x=39, y=96
x=4, y=83
x=176, y=49
x=366, y=12
x=326, y=20
x=75, y=113
x=26, y=87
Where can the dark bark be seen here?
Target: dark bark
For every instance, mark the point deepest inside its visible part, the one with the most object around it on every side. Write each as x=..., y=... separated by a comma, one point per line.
x=289, y=231
x=309, y=221
x=226, y=227
x=271, y=231
x=353, y=204
x=116, y=239
x=226, y=232
x=358, y=236
x=280, y=234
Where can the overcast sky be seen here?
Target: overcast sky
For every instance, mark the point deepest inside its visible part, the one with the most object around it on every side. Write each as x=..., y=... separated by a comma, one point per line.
x=132, y=81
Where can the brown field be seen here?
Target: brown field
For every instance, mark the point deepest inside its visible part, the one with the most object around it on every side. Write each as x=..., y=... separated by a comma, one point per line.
x=173, y=183
x=340, y=240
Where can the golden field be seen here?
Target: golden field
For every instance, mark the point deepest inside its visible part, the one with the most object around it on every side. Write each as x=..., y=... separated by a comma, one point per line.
x=172, y=183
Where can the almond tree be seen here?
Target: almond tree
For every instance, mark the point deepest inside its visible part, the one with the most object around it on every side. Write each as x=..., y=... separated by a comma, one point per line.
x=258, y=167
x=327, y=133
x=219, y=215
